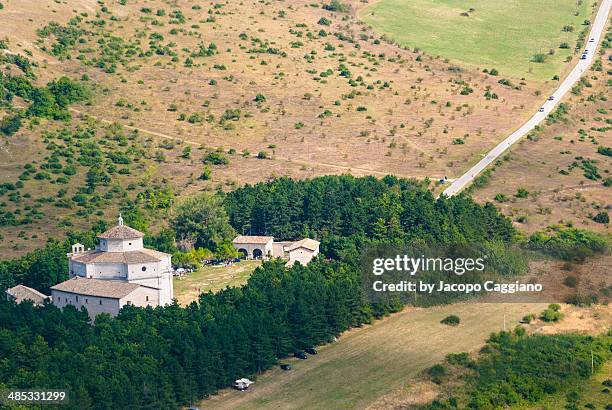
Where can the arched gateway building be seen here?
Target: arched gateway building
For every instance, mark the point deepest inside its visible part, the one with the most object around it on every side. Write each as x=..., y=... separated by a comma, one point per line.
x=120, y=271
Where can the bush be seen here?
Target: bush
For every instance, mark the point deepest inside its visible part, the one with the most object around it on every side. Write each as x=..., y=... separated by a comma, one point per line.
x=602, y=217
x=569, y=244
x=215, y=158
x=437, y=372
x=459, y=359
x=335, y=5
x=570, y=281
x=452, y=320
x=552, y=313
x=605, y=151
x=10, y=125
x=528, y=318
x=539, y=58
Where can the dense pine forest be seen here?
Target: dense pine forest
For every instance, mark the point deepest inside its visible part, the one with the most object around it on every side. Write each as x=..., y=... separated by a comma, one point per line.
x=168, y=356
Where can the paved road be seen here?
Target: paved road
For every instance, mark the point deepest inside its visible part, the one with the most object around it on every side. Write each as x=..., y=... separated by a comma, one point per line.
x=593, y=39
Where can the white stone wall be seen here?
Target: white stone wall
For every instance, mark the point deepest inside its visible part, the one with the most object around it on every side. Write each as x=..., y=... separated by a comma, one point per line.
x=302, y=255
x=137, y=271
x=120, y=245
x=117, y=271
x=266, y=248
x=162, y=285
x=141, y=297
x=77, y=269
x=94, y=305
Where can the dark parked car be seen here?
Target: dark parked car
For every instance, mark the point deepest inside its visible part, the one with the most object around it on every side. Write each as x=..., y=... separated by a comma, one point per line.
x=311, y=350
x=300, y=355
x=285, y=366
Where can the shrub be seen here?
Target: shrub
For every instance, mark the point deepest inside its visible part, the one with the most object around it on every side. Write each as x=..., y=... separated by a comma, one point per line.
x=10, y=125
x=215, y=158
x=335, y=5
x=552, y=313
x=570, y=281
x=528, y=318
x=437, y=372
x=569, y=244
x=458, y=359
x=522, y=193
x=452, y=320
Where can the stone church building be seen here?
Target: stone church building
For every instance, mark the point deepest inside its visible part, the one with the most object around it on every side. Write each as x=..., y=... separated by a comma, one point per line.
x=119, y=272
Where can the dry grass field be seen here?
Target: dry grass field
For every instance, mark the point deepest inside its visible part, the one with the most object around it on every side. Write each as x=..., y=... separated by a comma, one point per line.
x=374, y=361
x=379, y=366
x=212, y=278
x=312, y=91
x=567, y=180
x=419, y=389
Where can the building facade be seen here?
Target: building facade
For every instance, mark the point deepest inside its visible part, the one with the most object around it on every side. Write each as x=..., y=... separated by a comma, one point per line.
x=264, y=247
x=118, y=271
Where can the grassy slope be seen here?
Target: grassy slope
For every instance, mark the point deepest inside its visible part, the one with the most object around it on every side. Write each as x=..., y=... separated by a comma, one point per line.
x=370, y=362
x=535, y=164
x=498, y=33
x=212, y=278
x=407, y=129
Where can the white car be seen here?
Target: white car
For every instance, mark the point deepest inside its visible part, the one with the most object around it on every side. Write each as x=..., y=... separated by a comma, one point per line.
x=592, y=40
x=541, y=109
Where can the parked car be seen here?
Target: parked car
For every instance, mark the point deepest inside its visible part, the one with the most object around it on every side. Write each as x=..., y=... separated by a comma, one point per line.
x=551, y=98
x=311, y=350
x=300, y=355
x=584, y=57
x=236, y=260
x=541, y=109
x=285, y=366
x=242, y=384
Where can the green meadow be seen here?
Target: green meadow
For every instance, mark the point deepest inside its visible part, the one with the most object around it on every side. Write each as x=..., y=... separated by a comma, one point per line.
x=505, y=34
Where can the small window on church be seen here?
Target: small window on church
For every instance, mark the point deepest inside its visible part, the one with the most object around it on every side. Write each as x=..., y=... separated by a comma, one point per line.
x=147, y=298
x=144, y=268
x=86, y=301
x=130, y=243
x=77, y=298
x=100, y=301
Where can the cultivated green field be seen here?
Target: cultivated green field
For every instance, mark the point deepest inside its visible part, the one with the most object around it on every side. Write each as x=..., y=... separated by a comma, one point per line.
x=368, y=363
x=498, y=33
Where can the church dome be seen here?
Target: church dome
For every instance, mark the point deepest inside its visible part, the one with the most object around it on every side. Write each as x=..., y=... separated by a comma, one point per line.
x=121, y=231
